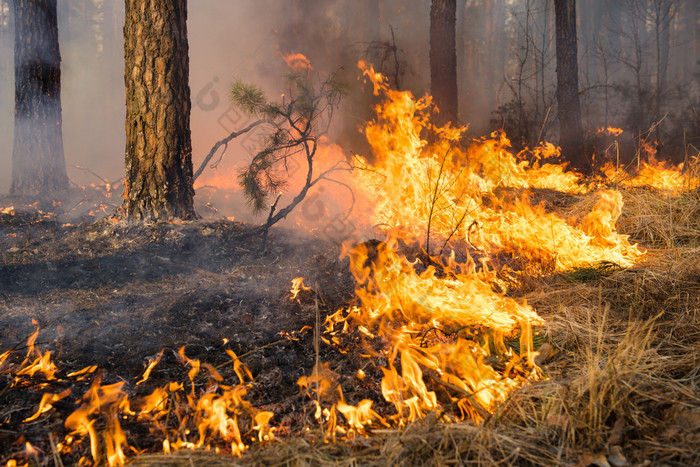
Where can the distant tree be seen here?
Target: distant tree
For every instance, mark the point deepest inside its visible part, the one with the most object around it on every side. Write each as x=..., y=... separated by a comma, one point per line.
x=38, y=163
x=570, y=128
x=7, y=34
x=443, y=58
x=661, y=14
x=158, y=182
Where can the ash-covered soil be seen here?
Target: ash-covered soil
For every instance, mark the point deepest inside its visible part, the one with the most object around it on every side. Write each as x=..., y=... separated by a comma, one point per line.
x=114, y=294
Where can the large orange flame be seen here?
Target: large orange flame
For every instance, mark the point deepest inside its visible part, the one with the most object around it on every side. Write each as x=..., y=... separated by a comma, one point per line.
x=426, y=190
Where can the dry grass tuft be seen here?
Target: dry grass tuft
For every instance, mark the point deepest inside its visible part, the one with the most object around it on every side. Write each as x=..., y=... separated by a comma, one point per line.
x=661, y=220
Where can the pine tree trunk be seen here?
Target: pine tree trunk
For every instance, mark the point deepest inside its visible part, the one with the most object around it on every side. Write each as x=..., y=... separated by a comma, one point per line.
x=570, y=129
x=692, y=19
x=443, y=58
x=158, y=184
x=7, y=34
x=38, y=164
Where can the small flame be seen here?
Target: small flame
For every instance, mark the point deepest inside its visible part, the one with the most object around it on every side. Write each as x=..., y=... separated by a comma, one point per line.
x=151, y=364
x=297, y=286
x=612, y=131
x=46, y=403
x=30, y=450
x=297, y=62
x=106, y=401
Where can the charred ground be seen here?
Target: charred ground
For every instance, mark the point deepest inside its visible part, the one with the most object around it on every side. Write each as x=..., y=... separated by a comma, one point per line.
x=622, y=374
x=113, y=294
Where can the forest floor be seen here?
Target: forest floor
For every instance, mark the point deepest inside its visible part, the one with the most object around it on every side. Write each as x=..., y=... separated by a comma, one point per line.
x=622, y=382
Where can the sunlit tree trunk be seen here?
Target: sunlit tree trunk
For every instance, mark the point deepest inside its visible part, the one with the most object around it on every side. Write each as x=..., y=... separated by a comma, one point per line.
x=570, y=128
x=443, y=58
x=38, y=164
x=158, y=182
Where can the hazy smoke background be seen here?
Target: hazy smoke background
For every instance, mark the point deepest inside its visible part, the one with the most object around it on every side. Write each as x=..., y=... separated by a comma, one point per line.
x=241, y=38
x=505, y=53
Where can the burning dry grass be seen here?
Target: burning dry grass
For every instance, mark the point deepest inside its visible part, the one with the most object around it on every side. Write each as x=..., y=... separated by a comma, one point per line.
x=434, y=361
x=661, y=219
x=622, y=367
x=620, y=364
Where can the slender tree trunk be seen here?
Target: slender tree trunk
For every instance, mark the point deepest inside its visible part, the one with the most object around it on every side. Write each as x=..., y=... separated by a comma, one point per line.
x=370, y=19
x=460, y=42
x=443, y=58
x=496, y=55
x=38, y=164
x=158, y=181
x=570, y=128
x=692, y=19
x=7, y=35
x=664, y=12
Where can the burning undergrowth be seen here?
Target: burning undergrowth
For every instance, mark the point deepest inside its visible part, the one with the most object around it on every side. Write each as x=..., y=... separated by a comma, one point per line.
x=497, y=315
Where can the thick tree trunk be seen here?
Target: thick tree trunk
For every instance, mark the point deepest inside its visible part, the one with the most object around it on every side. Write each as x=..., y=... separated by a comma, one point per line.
x=443, y=58
x=38, y=164
x=158, y=183
x=570, y=129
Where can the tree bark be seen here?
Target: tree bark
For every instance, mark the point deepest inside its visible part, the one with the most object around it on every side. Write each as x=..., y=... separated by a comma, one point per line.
x=7, y=34
x=158, y=184
x=443, y=59
x=570, y=128
x=692, y=18
x=38, y=163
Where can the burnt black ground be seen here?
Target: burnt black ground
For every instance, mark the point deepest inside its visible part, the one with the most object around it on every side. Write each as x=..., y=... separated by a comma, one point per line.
x=107, y=291
x=113, y=294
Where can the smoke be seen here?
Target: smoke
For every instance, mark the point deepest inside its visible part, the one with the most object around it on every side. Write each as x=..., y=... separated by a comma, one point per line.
x=228, y=39
x=244, y=39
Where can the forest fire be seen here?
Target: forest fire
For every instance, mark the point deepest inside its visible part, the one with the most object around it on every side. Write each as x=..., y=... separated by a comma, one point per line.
x=432, y=308
x=293, y=260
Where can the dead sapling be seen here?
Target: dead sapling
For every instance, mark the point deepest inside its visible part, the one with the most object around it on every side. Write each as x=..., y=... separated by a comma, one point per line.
x=442, y=205
x=390, y=59
x=299, y=120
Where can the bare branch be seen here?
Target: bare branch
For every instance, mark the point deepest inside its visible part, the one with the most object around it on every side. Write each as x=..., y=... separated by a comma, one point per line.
x=224, y=142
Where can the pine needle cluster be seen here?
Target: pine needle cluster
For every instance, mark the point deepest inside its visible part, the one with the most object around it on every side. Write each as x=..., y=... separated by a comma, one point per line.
x=298, y=120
